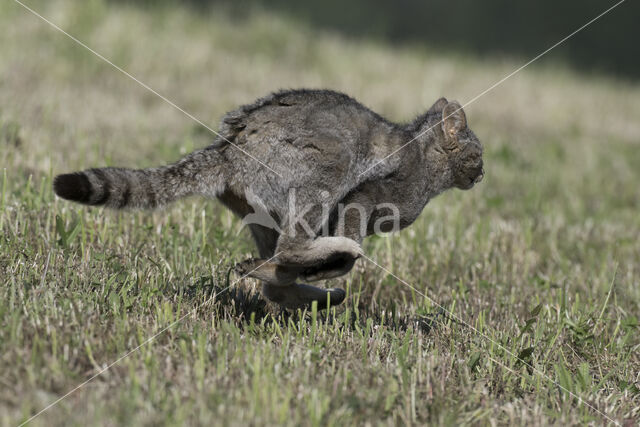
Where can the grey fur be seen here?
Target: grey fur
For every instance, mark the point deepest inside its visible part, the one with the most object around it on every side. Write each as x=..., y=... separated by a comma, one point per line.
x=329, y=148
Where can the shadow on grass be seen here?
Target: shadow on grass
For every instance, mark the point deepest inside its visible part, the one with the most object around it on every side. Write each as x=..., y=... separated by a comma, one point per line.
x=245, y=306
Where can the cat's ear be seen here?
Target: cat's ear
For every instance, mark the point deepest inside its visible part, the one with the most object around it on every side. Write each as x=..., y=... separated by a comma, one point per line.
x=453, y=119
x=438, y=106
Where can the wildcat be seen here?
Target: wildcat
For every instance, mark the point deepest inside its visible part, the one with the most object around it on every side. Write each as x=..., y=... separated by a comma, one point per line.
x=327, y=149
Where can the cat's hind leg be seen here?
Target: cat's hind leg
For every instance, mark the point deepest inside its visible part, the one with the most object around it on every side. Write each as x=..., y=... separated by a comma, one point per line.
x=279, y=285
x=302, y=296
x=268, y=272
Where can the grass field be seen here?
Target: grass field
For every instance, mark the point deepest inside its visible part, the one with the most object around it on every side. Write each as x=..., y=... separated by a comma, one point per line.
x=542, y=258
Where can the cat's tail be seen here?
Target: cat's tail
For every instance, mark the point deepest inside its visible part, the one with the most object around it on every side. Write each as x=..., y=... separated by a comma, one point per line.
x=199, y=173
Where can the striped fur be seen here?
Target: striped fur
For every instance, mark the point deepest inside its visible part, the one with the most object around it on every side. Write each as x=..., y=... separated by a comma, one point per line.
x=119, y=188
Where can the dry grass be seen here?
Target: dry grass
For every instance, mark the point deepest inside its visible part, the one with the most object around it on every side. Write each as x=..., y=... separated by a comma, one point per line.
x=554, y=225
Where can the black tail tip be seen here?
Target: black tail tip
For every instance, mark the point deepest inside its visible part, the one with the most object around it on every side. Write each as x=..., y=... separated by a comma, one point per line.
x=73, y=186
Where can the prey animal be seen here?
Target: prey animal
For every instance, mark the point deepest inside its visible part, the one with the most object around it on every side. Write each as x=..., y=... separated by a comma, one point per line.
x=324, y=169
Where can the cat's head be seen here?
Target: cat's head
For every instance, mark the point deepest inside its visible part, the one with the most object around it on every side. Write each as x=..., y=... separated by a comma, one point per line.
x=462, y=148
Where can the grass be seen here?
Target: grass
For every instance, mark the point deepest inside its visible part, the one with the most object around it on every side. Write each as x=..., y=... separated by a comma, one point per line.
x=541, y=258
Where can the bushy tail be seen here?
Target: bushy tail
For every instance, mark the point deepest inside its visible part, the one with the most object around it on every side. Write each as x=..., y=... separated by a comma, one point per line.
x=198, y=173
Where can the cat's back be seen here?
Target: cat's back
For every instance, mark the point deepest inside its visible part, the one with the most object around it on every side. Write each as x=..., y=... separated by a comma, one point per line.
x=298, y=99
x=291, y=114
x=322, y=135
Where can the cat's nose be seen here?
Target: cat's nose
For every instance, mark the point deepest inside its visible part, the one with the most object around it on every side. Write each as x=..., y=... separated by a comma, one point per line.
x=479, y=177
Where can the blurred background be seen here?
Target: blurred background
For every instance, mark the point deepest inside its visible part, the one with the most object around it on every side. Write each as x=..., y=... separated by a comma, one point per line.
x=521, y=28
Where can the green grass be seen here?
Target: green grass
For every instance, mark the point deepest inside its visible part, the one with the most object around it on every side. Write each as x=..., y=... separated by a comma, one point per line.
x=542, y=258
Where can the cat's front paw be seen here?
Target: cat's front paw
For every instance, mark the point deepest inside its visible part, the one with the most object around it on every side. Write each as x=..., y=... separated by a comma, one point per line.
x=338, y=244
x=333, y=268
x=317, y=252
